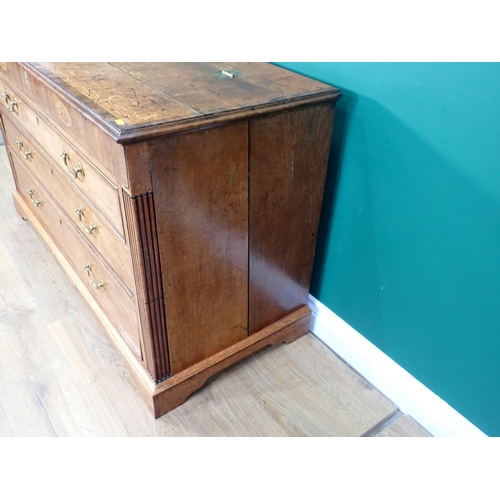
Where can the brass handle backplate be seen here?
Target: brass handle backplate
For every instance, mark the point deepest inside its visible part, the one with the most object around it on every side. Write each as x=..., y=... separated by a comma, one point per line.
x=97, y=285
x=10, y=104
x=73, y=171
x=36, y=203
x=25, y=154
x=91, y=227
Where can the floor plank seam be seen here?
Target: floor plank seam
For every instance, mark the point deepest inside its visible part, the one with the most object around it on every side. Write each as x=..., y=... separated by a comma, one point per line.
x=383, y=424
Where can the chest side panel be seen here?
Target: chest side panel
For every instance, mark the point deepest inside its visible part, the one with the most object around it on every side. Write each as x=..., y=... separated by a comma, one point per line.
x=200, y=185
x=288, y=161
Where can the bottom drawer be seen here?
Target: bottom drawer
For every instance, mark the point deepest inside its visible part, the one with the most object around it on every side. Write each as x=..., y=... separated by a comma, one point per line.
x=119, y=305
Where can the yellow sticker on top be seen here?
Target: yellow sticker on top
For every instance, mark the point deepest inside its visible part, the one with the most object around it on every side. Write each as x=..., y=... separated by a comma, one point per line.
x=119, y=121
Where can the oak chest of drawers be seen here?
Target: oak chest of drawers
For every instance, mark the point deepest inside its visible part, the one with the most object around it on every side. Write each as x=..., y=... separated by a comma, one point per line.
x=182, y=200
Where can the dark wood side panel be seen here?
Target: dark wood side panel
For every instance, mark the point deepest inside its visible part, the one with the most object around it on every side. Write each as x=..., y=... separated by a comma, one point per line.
x=146, y=258
x=200, y=181
x=288, y=162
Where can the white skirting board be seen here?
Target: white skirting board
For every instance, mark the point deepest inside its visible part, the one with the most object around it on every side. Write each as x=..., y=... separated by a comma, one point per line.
x=393, y=381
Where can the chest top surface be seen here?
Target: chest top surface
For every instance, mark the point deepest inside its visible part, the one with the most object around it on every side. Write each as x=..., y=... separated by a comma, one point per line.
x=138, y=100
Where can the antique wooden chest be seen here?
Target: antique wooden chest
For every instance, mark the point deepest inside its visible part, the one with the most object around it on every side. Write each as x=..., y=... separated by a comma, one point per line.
x=182, y=200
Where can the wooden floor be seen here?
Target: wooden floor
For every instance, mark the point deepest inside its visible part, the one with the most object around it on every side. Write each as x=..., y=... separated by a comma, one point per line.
x=60, y=376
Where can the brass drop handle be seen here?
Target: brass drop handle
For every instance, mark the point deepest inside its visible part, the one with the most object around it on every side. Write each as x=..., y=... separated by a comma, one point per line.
x=97, y=285
x=10, y=104
x=36, y=203
x=91, y=227
x=27, y=154
x=73, y=171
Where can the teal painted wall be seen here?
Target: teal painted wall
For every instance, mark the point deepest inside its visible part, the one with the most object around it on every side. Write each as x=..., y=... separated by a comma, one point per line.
x=409, y=243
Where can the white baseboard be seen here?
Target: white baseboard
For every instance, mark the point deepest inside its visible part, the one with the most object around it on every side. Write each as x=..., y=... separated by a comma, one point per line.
x=393, y=381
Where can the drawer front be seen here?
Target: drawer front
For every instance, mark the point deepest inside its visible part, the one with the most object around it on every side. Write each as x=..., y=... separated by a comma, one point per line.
x=75, y=166
x=98, y=277
x=10, y=73
x=54, y=104
x=87, y=219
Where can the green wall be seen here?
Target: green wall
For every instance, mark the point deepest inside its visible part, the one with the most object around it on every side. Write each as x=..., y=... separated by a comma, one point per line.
x=409, y=243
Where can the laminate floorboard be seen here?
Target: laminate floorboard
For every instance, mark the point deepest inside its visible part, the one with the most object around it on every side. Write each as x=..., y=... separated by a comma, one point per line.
x=404, y=426
x=60, y=375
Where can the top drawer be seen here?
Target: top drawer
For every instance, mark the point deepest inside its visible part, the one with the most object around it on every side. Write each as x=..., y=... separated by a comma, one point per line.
x=70, y=120
x=82, y=173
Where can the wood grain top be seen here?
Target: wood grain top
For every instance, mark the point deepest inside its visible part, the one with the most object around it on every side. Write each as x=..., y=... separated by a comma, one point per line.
x=138, y=100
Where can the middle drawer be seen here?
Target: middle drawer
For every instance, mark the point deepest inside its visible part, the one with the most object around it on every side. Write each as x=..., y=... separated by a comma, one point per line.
x=93, y=272
x=88, y=220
